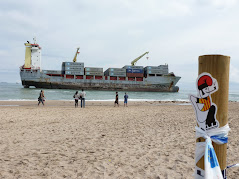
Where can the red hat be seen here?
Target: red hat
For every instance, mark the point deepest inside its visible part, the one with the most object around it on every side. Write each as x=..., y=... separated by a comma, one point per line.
x=204, y=81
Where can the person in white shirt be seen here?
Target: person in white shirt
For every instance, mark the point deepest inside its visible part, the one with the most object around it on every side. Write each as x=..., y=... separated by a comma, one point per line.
x=82, y=95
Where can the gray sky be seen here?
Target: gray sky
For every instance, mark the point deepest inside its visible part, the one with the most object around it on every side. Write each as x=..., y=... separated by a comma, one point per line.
x=113, y=33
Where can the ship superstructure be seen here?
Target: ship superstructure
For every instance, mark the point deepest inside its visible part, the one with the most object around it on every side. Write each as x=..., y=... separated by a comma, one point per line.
x=32, y=55
x=74, y=75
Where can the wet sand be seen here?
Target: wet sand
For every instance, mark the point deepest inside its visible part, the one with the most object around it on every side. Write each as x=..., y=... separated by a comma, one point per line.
x=144, y=140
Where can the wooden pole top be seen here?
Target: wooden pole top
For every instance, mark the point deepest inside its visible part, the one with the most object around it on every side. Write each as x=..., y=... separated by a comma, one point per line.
x=214, y=55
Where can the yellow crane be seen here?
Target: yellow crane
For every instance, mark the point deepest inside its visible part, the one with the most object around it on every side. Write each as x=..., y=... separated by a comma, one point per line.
x=77, y=51
x=135, y=60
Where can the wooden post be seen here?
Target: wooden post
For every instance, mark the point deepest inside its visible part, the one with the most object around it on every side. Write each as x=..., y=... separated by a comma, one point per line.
x=218, y=67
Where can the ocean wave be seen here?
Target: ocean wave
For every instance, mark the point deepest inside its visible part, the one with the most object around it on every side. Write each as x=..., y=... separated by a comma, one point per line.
x=50, y=91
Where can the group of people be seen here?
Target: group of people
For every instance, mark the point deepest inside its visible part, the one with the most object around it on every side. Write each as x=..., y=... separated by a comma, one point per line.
x=80, y=96
x=117, y=100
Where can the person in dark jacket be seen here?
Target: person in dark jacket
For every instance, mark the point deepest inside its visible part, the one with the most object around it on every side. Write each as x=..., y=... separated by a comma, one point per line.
x=41, y=98
x=116, y=99
x=76, y=97
x=126, y=100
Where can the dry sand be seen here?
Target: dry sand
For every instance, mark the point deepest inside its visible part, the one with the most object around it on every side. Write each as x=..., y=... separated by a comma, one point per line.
x=144, y=140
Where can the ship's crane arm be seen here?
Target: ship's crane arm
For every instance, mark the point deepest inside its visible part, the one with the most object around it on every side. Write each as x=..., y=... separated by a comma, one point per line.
x=77, y=51
x=135, y=60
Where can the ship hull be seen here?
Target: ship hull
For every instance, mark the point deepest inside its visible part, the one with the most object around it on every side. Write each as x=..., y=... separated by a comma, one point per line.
x=151, y=84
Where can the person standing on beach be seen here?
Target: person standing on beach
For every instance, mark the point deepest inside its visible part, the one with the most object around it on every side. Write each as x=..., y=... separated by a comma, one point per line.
x=76, y=96
x=82, y=98
x=116, y=99
x=41, y=98
x=126, y=100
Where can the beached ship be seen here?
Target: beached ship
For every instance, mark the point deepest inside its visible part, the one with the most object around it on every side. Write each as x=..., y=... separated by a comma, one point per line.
x=74, y=75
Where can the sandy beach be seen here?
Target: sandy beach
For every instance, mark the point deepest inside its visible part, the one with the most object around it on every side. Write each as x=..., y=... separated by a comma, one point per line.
x=145, y=140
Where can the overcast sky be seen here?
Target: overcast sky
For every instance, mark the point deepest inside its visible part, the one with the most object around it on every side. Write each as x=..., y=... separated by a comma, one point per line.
x=113, y=33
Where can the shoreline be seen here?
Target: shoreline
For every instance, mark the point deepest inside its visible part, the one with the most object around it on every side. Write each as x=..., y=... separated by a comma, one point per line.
x=70, y=103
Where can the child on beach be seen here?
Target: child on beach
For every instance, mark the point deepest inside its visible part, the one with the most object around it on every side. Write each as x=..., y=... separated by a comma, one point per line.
x=41, y=98
x=76, y=96
x=116, y=99
x=126, y=100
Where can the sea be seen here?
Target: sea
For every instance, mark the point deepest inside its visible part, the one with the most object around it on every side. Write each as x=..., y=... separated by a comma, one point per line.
x=16, y=92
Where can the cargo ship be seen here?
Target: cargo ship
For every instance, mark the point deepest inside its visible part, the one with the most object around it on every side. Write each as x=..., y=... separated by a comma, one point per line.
x=74, y=75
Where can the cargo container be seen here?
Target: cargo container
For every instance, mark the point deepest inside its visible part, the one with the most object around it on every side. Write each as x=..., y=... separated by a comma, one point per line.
x=156, y=72
x=151, y=68
x=163, y=66
x=133, y=67
x=134, y=74
x=93, y=69
x=74, y=72
x=117, y=69
x=73, y=68
x=80, y=64
x=134, y=71
x=95, y=73
x=162, y=69
x=115, y=72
